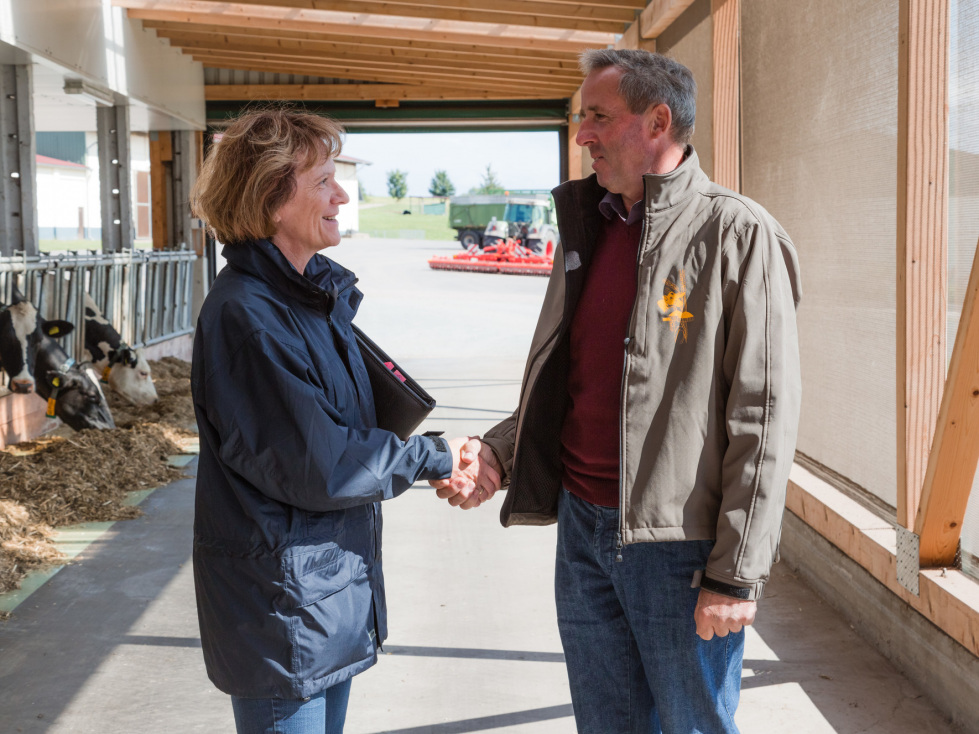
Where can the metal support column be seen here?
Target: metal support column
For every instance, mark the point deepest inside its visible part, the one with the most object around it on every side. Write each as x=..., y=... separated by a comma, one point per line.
x=182, y=179
x=114, y=171
x=18, y=180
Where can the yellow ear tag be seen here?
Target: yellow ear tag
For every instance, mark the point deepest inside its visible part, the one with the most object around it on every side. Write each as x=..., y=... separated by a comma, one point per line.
x=51, y=404
x=56, y=382
x=105, y=374
x=54, y=330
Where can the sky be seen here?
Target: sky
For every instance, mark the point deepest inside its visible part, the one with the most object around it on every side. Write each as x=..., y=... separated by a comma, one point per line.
x=520, y=160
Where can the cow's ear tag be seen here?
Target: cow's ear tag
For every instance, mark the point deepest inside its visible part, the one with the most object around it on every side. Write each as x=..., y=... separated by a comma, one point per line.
x=53, y=330
x=56, y=382
x=51, y=405
x=105, y=375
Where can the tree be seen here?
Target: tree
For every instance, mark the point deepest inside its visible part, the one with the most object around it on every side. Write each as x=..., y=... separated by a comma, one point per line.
x=489, y=184
x=441, y=185
x=397, y=184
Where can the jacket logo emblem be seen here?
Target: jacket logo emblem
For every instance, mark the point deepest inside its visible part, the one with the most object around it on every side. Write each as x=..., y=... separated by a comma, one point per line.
x=674, y=305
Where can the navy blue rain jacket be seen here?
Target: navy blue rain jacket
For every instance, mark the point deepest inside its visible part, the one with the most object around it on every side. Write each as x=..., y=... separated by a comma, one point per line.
x=287, y=530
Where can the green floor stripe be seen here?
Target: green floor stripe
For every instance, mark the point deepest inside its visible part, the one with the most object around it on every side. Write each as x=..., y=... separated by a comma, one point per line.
x=73, y=539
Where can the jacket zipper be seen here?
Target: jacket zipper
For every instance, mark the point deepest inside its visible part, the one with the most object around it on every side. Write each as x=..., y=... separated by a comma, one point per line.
x=347, y=287
x=544, y=345
x=622, y=392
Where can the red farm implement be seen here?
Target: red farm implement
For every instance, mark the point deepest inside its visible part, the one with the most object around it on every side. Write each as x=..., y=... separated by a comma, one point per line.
x=505, y=257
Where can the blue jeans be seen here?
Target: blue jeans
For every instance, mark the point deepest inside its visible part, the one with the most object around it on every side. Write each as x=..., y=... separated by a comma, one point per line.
x=323, y=713
x=635, y=662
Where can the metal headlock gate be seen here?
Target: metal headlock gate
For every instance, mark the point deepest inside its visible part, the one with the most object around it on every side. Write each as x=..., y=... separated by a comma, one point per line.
x=147, y=296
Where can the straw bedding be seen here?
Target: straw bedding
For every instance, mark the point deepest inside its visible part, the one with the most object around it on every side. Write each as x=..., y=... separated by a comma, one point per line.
x=84, y=476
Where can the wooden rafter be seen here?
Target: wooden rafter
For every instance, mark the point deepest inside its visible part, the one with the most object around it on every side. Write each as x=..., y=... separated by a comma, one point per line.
x=658, y=15
x=176, y=31
x=356, y=92
x=544, y=89
x=418, y=73
x=310, y=52
x=578, y=16
x=258, y=40
x=955, y=453
x=263, y=16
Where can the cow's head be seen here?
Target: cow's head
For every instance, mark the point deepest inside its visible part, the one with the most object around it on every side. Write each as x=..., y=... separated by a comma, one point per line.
x=78, y=402
x=130, y=376
x=21, y=331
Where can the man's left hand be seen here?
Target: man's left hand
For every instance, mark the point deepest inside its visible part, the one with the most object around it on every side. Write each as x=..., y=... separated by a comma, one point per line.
x=717, y=614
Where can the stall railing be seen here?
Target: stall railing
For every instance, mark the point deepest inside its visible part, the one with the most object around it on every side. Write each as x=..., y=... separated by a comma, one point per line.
x=145, y=295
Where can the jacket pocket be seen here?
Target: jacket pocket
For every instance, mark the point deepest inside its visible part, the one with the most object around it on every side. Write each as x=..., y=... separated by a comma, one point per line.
x=314, y=575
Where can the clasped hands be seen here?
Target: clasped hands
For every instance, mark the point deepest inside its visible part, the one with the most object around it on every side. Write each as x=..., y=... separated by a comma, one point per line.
x=476, y=474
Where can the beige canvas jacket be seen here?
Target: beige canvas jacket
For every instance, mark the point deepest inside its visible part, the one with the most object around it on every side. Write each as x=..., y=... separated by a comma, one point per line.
x=710, y=385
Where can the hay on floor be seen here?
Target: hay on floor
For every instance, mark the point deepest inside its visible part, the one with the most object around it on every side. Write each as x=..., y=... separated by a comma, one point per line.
x=84, y=476
x=171, y=376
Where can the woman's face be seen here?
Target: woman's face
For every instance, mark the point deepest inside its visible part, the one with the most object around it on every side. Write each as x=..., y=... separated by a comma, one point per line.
x=307, y=222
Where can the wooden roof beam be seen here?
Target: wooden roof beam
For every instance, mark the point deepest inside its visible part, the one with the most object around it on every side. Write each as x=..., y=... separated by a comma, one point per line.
x=173, y=30
x=477, y=34
x=380, y=65
x=409, y=76
x=658, y=15
x=577, y=16
x=358, y=92
x=318, y=50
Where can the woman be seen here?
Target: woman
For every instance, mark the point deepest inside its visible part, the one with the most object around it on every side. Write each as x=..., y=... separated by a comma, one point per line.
x=287, y=562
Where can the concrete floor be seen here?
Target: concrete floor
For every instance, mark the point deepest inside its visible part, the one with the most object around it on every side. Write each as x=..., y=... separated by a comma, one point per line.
x=110, y=644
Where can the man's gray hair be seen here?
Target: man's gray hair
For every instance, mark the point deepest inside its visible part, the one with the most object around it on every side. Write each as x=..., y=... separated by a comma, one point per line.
x=650, y=79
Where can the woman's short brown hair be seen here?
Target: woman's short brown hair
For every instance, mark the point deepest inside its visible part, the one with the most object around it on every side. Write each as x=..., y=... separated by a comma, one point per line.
x=252, y=171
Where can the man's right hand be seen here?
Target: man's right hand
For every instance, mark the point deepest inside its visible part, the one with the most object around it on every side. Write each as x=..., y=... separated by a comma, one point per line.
x=476, y=474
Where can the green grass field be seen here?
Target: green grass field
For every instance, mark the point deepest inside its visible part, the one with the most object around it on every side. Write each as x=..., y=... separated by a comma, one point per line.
x=383, y=217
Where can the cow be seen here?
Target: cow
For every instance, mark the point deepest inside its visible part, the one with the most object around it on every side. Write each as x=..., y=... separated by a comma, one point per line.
x=35, y=362
x=21, y=331
x=125, y=369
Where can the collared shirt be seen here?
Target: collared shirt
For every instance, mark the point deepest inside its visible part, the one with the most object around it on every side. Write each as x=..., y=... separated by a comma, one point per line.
x=612, y=205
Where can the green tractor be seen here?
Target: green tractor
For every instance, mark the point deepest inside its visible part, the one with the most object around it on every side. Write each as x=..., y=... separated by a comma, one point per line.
x=528, y=220
x=470, y=215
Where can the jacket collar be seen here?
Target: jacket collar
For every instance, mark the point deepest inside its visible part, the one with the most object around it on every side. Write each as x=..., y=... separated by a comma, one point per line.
x=322, y=283
x=664, y=190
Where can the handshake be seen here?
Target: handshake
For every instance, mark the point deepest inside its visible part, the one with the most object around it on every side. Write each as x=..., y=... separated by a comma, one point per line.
x=476, y=474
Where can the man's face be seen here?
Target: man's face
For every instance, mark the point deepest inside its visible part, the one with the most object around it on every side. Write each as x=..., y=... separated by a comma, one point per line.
x=619, y=141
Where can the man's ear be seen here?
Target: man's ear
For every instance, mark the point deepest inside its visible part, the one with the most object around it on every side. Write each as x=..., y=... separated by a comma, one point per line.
x=660, y=119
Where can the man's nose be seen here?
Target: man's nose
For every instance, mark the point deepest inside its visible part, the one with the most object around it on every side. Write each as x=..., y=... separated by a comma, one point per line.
x=585, y=136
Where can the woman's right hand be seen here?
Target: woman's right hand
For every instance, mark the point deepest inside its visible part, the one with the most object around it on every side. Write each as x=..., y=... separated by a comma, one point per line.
x=476, y=474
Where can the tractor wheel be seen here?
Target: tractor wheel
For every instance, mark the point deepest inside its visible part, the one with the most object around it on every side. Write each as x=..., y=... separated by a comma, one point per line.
x=468, y=238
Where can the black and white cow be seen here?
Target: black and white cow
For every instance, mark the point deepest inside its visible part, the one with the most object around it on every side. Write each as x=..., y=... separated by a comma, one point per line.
x=124, y=368
x=21, y=331
x=36, y=362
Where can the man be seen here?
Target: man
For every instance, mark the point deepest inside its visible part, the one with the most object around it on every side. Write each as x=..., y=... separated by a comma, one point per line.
x=658, y=414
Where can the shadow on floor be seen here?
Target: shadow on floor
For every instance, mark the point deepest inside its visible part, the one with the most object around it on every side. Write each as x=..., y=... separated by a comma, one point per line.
x=59, y=636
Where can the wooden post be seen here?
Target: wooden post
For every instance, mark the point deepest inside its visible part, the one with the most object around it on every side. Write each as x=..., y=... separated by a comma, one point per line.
x=726, y=22
x=574, y=150
x=955, y=453
x=922, y=233
x=161, y=153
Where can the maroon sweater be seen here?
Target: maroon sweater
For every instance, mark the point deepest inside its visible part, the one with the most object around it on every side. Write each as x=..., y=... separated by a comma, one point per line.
x=590, y=437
